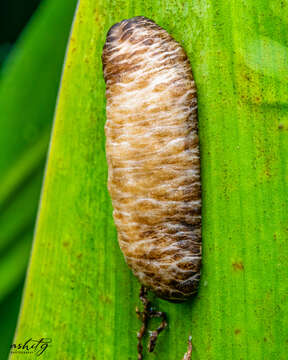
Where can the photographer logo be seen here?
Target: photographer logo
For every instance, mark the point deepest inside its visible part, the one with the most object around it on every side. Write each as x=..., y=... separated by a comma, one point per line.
x=31, y=346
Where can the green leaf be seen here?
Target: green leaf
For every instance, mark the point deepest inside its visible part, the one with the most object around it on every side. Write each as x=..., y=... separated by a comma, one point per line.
x=8, y=314
x=84, y=296
x=29, y=83
x=14, y=263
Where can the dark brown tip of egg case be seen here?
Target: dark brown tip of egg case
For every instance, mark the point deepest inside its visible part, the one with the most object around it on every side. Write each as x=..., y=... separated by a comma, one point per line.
x=127, y=25
x=115, y=33
x=123, y=30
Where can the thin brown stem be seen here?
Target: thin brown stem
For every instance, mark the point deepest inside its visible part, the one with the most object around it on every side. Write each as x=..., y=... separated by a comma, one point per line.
x=144, y=316
x=188, y=354
x=154, y=335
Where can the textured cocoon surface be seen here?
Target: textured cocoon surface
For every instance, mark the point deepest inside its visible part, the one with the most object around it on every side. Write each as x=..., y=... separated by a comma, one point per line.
x=153, y=156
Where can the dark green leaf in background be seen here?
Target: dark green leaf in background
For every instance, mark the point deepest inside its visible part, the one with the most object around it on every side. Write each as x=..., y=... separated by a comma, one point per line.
x=29, y=83
x=14, y=15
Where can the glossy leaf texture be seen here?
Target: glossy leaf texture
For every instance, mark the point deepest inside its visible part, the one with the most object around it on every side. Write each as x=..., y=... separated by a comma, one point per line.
x=82, y=294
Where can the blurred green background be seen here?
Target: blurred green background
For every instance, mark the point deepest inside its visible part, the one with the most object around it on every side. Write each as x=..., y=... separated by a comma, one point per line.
x=27, y=72
x=14, y=15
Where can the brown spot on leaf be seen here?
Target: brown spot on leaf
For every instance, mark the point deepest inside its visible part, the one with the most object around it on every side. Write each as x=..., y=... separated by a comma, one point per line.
x=105, y=299
x=237, y=331
x=238, y=266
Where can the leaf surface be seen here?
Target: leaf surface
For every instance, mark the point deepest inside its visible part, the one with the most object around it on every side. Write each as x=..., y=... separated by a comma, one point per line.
x=82, y=294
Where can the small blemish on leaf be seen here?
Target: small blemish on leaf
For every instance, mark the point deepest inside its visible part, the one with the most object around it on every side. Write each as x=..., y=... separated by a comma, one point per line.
x=237, y=331
x=238, y=266
x=105, y=299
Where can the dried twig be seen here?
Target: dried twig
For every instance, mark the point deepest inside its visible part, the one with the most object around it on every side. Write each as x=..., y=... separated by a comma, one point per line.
x=144, y=316
x=188, y=354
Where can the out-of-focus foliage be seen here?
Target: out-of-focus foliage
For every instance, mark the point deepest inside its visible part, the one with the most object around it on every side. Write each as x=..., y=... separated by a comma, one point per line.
x=8, y=315
x=14, y=15
x=80, y=289
x=29, y=82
